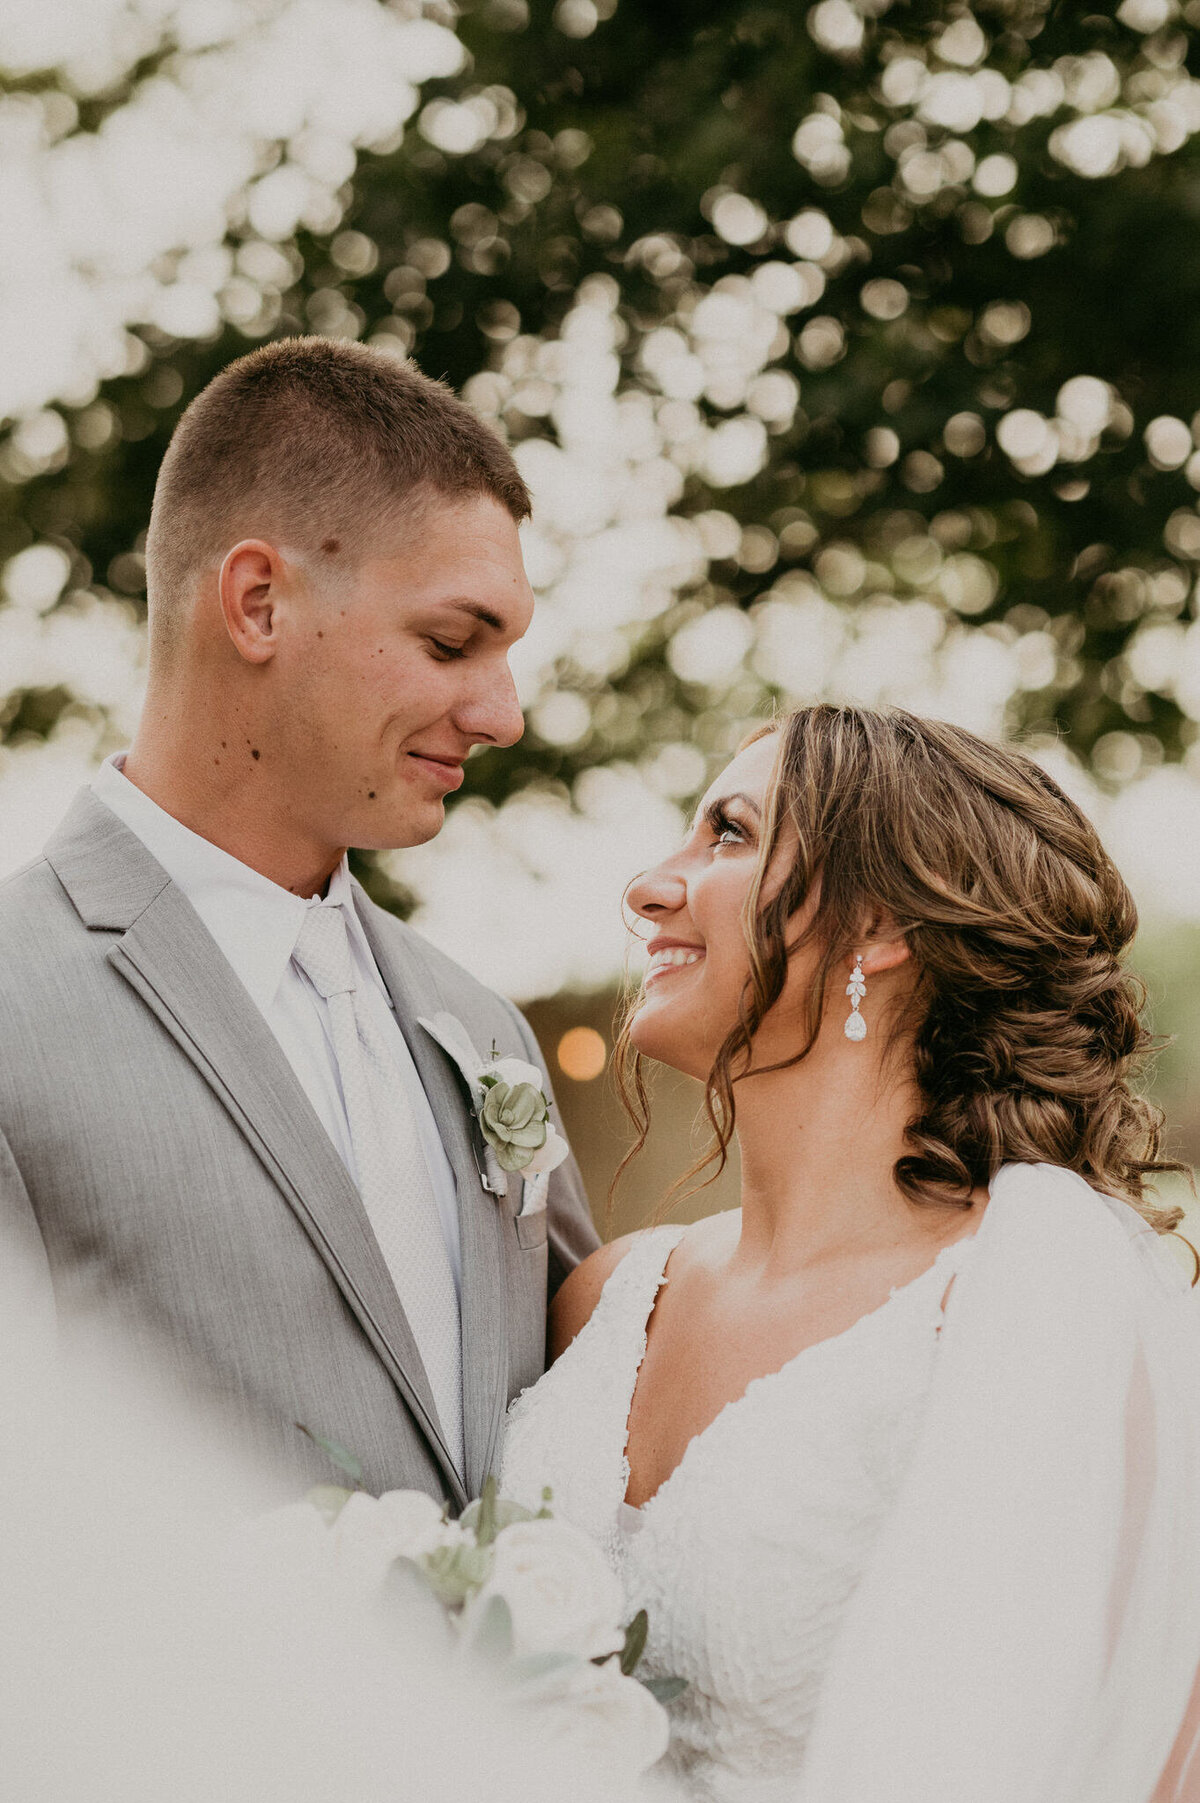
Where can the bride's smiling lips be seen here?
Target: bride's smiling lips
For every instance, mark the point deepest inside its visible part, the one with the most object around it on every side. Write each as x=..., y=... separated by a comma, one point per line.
x=669, y=955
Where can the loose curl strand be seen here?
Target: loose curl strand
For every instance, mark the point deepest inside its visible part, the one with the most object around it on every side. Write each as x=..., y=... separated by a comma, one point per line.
x=1026, y=1031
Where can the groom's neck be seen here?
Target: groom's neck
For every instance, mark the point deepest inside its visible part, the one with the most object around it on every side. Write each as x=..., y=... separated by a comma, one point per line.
x=199, y=781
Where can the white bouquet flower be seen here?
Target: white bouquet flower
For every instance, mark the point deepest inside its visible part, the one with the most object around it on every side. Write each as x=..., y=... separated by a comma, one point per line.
x=595, y=1709
x=531, y=1597
x=560, y=1593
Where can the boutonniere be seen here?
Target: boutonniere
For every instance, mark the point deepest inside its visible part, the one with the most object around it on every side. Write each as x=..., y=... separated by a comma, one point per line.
x=513, y=1112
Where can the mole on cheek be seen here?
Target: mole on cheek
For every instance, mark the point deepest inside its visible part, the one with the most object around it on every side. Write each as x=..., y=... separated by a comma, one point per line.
x=331, y=545
x=370, y=794
x=320, y=635
x=256, y=754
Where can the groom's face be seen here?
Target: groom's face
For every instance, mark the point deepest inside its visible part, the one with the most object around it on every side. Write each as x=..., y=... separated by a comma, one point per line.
x=396, y=666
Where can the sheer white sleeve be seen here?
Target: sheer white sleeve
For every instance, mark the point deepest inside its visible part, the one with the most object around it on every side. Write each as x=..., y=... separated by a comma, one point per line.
x=1029, y=1626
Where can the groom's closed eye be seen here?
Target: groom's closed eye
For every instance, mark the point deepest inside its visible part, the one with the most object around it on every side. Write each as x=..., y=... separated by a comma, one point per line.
x=440, y=632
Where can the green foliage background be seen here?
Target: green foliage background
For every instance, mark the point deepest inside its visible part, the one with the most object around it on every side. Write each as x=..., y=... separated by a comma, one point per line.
x=955, y=291
x=618, y=141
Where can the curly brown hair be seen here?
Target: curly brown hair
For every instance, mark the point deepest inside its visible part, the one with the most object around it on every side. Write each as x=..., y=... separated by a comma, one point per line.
x=1030, y=1029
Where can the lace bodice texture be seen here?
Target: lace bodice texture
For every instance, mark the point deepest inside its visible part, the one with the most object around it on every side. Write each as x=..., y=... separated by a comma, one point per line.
x=748, y=1554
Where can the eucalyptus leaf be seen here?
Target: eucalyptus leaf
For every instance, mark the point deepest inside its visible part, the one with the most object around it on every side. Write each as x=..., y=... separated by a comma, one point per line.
x=507, y=1513
x=345, y=1461
x=329, y=1500
x=635, y=1642
x=492, y=1630
x=457, y=1572
x=664, y=1690
x=486, y=1527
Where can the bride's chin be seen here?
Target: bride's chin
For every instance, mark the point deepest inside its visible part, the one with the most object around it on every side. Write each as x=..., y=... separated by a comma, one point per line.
x=666, y=1041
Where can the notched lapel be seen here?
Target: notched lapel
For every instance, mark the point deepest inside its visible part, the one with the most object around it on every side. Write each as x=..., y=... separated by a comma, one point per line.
x=481, y=1218
x=170, y=959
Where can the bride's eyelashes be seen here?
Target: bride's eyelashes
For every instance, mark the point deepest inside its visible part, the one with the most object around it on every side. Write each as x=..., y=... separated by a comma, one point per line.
x=724, y=828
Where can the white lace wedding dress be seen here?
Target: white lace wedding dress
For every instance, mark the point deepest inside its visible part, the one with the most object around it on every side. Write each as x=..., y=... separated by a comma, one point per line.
x=894, y=1571
x=746, y=1556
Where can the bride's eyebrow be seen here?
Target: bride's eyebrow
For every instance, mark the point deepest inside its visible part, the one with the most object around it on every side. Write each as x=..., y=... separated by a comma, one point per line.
x=712, y=808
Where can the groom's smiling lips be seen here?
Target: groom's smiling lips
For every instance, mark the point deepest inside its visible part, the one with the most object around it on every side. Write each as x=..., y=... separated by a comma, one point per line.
x=448, y=771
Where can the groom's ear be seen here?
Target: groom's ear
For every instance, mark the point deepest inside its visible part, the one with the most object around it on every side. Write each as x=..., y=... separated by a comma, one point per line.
x=249, y=583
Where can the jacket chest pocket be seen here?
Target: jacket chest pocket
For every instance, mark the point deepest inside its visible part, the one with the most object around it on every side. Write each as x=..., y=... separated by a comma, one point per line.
x=531, y=1230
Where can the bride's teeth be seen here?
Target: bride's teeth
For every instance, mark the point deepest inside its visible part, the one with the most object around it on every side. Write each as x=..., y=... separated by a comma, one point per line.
x=674, y=955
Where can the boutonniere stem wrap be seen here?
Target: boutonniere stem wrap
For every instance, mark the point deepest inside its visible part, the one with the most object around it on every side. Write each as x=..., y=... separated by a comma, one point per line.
x=513, y=1112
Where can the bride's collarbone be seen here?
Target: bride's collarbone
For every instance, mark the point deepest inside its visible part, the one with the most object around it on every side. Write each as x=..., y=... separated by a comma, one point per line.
x=707, y=1340
x=712, y=1333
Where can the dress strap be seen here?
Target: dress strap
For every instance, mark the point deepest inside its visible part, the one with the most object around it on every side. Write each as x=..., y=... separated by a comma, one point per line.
x=628, y=1296
x=621, y=1321
x=568, y=1431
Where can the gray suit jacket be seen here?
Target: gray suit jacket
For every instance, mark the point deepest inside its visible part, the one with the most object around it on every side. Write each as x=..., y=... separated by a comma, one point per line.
x=154, y=1137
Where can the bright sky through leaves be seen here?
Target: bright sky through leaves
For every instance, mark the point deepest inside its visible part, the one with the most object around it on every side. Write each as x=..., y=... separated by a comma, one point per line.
x=846, y=352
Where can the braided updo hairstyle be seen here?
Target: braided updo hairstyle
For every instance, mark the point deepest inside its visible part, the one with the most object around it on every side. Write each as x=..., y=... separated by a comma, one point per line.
x=1028, y=1030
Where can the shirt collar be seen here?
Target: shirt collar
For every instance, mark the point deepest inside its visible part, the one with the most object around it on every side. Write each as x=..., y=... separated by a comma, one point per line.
x=254, y=921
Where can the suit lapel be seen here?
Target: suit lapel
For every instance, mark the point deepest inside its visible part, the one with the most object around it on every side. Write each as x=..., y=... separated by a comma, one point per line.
x=171, y=961
x=481, y=1217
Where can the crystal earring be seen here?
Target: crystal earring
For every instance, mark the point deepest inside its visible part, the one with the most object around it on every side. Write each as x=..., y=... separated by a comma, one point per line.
x=856, y=988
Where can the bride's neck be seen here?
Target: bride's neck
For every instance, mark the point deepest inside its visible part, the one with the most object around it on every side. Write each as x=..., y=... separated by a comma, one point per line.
x=819, y=1143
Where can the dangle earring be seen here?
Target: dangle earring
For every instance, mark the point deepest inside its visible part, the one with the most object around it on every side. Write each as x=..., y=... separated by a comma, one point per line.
x=856, y=988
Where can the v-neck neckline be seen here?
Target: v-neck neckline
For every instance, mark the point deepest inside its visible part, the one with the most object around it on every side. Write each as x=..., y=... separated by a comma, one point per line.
x=899, y=1292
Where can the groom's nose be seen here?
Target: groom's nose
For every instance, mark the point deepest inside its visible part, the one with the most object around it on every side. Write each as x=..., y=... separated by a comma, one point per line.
x=491, y=714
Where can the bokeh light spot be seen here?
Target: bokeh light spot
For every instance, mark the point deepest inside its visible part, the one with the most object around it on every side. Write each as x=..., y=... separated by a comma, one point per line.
x=582, y=1054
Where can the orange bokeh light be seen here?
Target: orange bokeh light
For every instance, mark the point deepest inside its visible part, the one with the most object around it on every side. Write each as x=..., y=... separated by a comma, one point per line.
x=582, y=1054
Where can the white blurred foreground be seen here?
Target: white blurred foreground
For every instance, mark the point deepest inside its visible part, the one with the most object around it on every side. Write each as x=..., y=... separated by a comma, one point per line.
x=153, y=1647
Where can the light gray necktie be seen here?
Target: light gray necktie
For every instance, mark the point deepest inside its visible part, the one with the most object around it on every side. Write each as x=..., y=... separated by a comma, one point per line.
x=393, y=1178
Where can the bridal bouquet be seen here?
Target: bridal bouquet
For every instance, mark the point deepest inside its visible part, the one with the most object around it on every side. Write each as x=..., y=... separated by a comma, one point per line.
x=528, y=1597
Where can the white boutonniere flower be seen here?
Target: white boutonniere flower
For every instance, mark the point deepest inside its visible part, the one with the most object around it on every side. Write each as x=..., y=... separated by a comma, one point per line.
x=513, y=1112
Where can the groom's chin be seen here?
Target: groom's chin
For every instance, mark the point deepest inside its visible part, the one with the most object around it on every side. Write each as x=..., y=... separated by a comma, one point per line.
x=400, y=828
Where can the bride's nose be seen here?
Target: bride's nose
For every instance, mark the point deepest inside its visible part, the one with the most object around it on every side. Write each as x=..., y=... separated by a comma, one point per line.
x=657, y=892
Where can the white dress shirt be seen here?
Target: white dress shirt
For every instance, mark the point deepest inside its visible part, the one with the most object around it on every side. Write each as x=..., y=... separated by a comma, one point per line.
x=256, y=925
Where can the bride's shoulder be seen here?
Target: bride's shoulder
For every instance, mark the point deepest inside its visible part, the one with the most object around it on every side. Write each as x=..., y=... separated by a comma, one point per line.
x=576, y=1299
x=1048, y=1233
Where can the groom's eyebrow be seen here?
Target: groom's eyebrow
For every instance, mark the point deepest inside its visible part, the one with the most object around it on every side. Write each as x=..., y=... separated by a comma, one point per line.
x=483, y=614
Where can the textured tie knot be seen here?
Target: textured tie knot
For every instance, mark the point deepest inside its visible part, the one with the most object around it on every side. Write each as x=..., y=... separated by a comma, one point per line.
x=323, y=951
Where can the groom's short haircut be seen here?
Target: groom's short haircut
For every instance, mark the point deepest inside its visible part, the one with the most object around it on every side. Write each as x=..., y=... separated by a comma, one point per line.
x=317, y=443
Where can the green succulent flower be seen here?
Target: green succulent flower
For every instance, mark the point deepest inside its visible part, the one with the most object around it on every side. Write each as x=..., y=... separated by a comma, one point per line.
x=514, y=1118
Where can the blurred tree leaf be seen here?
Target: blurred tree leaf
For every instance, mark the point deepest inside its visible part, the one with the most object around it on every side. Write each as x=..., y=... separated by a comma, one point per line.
x=967, y=241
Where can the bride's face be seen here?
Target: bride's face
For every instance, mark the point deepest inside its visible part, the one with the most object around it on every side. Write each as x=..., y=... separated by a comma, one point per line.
x=693, y=903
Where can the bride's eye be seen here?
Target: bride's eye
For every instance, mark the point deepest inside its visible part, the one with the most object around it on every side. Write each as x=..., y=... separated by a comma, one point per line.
x=726, y=830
